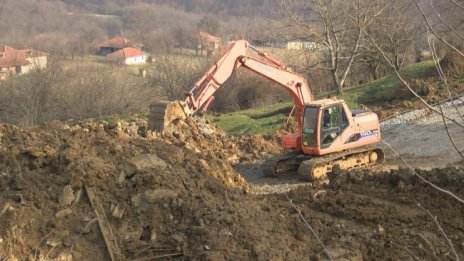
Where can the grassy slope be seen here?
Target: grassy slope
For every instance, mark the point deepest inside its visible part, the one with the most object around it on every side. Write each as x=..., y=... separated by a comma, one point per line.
x=375, y=94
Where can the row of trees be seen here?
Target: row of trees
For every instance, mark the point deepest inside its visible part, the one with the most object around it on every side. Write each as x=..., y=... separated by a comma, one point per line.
x=79, y=92
x=220, y=7
x=344, y=29
x=64, y=29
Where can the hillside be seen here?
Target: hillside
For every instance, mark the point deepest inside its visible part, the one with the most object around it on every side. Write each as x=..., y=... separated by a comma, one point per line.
x=219, y=7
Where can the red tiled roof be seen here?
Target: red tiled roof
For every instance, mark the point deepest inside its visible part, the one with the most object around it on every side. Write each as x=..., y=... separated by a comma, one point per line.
x=206, y=37
x=32, y=53
x=118, y=43
x=125, y=53
x=10, y=57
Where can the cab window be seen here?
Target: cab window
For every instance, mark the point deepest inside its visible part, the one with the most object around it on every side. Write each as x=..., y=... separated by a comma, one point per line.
x=333, y=122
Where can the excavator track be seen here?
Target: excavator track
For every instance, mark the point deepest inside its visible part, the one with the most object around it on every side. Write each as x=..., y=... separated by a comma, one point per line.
x=276, y=166
x=317, y=168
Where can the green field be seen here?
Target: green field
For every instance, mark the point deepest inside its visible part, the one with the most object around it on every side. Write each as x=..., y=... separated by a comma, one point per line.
x=375, y=94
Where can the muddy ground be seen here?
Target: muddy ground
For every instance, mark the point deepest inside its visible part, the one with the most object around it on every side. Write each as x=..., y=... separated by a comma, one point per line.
x=180, y=196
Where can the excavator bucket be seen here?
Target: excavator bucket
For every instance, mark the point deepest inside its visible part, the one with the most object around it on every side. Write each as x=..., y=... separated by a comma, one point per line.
x=162, y=113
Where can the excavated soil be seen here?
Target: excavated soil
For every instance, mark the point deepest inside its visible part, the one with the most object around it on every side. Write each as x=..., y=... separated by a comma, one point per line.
x=453, y=64
x=176, y=196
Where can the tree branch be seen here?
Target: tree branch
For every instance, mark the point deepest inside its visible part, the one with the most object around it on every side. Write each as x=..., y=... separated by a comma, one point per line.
x=429, y=26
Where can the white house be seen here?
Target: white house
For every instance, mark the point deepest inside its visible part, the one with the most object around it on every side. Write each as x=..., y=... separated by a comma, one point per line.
x=128, y=56
x=303, y=45
x=17, y=62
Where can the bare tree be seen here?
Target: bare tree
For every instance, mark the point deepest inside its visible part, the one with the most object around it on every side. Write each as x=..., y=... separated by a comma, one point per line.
x=185, y=38
x=174, y=76
x=327, y=23
x=396, y=29
x=140, y=18
x=209, y=24
x=90, y=34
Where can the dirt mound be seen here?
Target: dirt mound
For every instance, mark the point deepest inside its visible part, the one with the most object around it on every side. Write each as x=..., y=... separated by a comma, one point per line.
x=156, y=197
x=378, y=216
x=453, y=64
x=200, y=135
x=161, y=194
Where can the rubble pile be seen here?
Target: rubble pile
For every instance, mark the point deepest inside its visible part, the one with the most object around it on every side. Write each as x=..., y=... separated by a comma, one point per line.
x=97, y=190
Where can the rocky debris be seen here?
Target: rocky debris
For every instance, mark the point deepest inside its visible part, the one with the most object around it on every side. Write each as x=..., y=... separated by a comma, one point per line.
x=63, y=213
x=154, y=196
x=67, y=196
x=139, y=201
x=145, y=162
x=194, y=206
x=422, y=115
x=117, y=211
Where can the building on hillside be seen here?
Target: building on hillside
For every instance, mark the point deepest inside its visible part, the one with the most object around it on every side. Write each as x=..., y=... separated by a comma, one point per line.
x=209, y=43
x=16, y=62
x=128, y=56
x=305, y=45
x=269, y=43
x=116, y=44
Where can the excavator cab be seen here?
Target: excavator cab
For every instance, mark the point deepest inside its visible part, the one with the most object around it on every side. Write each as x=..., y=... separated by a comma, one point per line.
x=322, y=125
x=329, y=125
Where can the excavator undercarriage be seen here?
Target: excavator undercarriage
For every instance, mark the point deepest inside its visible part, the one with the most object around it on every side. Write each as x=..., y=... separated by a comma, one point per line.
x=312, y=168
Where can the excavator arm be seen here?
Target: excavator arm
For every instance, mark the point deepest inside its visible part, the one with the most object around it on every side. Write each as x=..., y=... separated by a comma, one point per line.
x=235, y=56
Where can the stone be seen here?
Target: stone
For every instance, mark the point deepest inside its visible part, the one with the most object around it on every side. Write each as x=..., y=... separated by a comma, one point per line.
x=146, y=162
x=154, y=196
x=177, y=203
x=179, y=238
x=402, y=186
x=117, y=211
x=133, y=235
x=380, y=230
x=153, y=235
x=53, y=242
x=18, y=198
x=177, y=135
x=67, y=196
x=67, y=241
x=63, y=213
x=121, y=178
x=207, y=247
x=406, y=175
x=204, y=166
x=234, y=159
x=65, y=257
x=6, y=207
x=225, y=232
x=79, y=195
x=139, y=201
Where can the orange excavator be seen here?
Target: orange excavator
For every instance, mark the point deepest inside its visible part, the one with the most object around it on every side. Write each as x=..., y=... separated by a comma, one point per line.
x=329, y=135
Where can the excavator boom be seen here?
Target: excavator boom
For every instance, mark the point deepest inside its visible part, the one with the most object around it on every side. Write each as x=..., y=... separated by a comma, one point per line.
x=236, y=55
